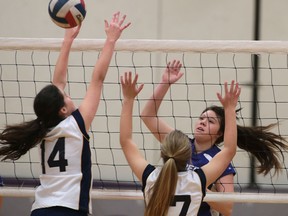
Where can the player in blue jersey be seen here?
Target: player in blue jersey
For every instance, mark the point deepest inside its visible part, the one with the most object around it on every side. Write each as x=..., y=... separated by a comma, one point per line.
x=208, y=133
x=174, y=189
x=61, y=133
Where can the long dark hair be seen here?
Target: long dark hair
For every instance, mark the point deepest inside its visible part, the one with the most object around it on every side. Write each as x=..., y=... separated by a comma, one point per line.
x=16, y=140
x=266, y=146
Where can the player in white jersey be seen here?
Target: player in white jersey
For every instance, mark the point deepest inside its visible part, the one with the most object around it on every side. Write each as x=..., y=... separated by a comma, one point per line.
x=66, y=166
x=61, y=132
x=190, y=186
x=173, y=189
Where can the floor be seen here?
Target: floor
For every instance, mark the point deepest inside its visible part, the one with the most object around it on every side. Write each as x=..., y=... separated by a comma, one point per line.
x=21, y=207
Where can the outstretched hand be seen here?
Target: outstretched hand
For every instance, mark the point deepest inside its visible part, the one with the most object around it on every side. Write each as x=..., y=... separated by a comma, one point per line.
x=231, y=96
x=72, y=33
x=115, y=28
x=129, y=86
x=172, y=72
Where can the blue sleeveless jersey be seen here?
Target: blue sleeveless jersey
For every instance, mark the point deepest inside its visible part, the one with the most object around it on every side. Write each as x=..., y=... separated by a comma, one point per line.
x=199, y=160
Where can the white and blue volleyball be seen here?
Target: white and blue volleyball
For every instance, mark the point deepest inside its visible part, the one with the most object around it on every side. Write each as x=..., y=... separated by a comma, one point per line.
x=67, y=13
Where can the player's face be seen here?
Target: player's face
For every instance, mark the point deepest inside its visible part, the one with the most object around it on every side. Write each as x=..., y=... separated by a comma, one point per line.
x=207, y=127
x=68, y=104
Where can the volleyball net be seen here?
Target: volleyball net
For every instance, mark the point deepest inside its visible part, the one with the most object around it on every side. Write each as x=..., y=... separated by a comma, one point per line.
x=27, y=65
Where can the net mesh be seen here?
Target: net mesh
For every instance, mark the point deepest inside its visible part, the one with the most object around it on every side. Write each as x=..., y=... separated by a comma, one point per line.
x=27, y=65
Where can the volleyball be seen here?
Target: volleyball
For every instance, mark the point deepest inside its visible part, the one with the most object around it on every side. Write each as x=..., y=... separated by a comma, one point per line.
x=67, y=13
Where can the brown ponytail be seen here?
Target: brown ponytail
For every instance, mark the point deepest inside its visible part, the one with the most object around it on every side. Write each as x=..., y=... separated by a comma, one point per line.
x=175, y=152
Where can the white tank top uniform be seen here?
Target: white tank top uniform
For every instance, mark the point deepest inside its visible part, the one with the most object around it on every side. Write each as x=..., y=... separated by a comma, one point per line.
x=190, y=190
x=66, y=178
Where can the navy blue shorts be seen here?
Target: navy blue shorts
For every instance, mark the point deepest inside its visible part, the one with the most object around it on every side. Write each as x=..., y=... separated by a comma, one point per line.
x=57, y=211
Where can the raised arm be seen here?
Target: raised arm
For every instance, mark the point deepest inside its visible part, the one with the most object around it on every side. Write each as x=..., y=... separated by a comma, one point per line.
x=135, y=159
x=60, y=72
x=158, y=127
x=220, y=162
x=89, y=105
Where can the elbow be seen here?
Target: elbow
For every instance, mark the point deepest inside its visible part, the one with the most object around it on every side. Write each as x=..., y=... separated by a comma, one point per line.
x=224, y=208
x=122, y=142
x=232, y=152
x=231, y=148
x=122, y=139
x=125, y=143
x=144, y=117
x=100, y=80
x=98, y=77
x=228, y=211
x=147, y=116
x=228, y=154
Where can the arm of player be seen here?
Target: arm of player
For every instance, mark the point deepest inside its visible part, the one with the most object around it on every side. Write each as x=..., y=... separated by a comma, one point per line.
x=220, y=162
x=224, y=184
x=133, y=156
x=89, y=105
x=60, y=72
x=158, y=127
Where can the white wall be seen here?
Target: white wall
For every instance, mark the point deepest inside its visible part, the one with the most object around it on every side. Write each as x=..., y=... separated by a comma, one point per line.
x=161, y=19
